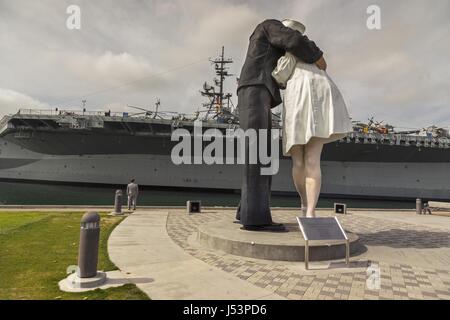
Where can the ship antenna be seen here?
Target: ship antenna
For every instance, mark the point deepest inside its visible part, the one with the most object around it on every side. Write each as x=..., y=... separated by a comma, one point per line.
x=222, y=73
x=157, y=105
x=84, y=105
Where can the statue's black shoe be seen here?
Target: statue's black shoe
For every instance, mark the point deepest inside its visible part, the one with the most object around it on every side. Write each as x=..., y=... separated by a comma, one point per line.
x=274, y=227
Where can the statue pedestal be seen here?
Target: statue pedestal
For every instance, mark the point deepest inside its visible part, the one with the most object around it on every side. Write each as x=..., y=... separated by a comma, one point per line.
x=227, y=236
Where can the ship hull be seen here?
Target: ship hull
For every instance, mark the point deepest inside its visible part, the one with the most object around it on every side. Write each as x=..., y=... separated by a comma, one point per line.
x=360, y=179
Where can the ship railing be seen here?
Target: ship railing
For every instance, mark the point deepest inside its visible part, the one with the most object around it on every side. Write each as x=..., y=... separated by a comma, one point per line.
x=4, y=124
x=59, y=112
x=35, y=112
x=4, y=121
x=397, y=139
x=163, y=116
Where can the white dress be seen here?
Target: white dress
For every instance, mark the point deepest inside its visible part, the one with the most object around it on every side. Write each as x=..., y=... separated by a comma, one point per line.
x=313, y=104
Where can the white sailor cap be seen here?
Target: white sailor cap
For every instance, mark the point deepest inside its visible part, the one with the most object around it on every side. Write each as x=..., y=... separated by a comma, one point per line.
x=291, y=23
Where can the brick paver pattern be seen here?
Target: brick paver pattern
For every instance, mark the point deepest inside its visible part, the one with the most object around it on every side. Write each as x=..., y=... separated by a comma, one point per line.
x=398, y=280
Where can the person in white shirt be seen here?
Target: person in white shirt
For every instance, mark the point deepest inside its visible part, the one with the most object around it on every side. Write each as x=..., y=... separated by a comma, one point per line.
x=132, y=192
x=314, y=114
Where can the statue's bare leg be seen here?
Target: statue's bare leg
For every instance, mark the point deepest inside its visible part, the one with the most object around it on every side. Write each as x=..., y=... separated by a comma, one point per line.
x=313, y=152
x=299, y=174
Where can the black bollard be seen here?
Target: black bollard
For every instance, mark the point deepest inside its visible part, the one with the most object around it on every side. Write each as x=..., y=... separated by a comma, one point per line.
x=89, y=241
x=194, y=207
x=118, y=202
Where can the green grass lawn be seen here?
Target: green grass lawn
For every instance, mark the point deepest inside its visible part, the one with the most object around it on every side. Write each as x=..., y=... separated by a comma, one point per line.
x=36, y=249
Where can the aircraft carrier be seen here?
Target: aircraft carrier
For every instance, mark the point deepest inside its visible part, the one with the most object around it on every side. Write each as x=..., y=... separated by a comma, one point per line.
x=109, y=148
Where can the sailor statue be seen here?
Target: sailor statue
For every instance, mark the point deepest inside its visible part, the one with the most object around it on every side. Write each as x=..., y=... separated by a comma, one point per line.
x=258, y=93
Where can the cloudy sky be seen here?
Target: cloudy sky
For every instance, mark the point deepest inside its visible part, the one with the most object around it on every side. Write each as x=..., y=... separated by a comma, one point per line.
x=131, y=52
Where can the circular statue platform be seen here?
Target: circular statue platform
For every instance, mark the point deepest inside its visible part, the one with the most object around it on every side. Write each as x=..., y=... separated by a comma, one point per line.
x=227, y=236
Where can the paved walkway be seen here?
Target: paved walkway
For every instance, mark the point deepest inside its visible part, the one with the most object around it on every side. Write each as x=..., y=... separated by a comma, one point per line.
x=141, y=248
x=411, y=252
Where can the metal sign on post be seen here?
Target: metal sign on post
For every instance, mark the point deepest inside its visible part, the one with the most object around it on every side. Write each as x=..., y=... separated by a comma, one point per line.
x=322, y=229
